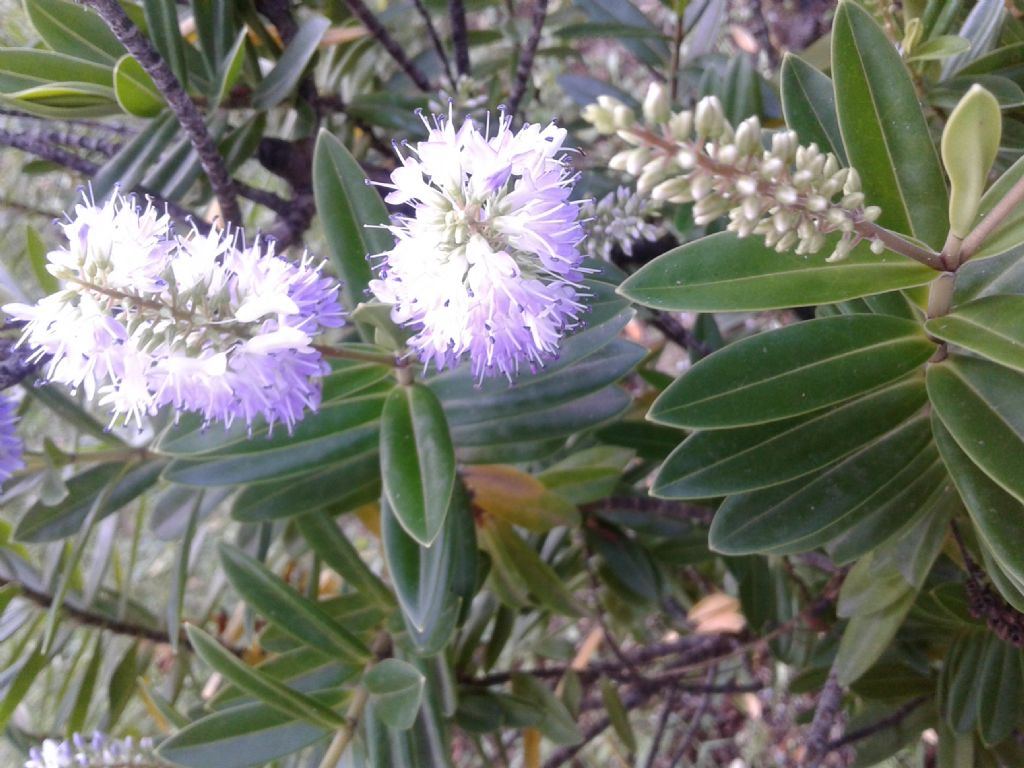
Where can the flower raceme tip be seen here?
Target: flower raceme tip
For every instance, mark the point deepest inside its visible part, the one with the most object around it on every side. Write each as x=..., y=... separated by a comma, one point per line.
x=203, y=323
x=489, y=264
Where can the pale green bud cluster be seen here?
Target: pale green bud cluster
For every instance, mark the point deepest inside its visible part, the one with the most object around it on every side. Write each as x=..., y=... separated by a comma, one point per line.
x=620, y=218
x=792, y=195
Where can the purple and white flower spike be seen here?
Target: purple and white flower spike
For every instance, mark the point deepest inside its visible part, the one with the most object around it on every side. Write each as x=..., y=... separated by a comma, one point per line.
x=10, y=443
x=489, y=264
x=99, y=750
x=202, y=323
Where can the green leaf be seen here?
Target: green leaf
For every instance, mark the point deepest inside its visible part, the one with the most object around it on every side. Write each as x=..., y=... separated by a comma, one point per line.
x=977, y=401
x=52, y=523
x=809, y=104
x=285, y=75
x=16, y=690
x=22, y=68
x=724, y=273
x=338, y=432
x=86, y=686
x=231, y=67
x=651, y=51
x=303, y=669
x=72, y=30
x=970, y=142
x=1003, y=684
x=325, y=538
x=867, y=636
x=556, y=722
x=992, y=327
x=964, y=694
x=336, y=487
x=937, y=48
x=64, y=101
x=297, y=616
x=134, y=158
x=884, y=130
x=806, y=513
x=244, y=736
x=123, y=682
x=35, y=249
x=295, y=705
x=997, y=516
x=164, y=31
x=429, y=581
x=397, y=690
x=135, y=90
x=720, y=462
x=793, y=370
x=515, y=556
x=352, y=214
x=617, y=714
x=417, y=460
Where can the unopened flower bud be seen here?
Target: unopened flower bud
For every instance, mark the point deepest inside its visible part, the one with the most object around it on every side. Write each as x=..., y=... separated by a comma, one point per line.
x=877, y=247
x=680, y=126
x=709, y=118
x=656, y=104
x=748, y=137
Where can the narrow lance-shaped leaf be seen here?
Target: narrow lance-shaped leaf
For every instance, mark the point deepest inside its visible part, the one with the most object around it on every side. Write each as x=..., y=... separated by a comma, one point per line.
x=326, y=539
x=397, y=690
x=884, y=129
x=417, y=460
x=263, y=687
x=290, y=611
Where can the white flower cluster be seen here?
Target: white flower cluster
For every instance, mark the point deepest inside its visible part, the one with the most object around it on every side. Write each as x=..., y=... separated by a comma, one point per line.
x=148, y=318
x=620, y=218
x=488, y=265
x=95, y=752
x=792, y=195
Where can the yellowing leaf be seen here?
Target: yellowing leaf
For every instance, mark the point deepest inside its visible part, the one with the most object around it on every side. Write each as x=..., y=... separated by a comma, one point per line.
x=969, y=145
x=517, y=497
x=715, y=613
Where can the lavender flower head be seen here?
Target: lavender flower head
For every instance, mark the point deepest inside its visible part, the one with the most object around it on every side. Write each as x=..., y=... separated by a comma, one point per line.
x=202, y=323
x=100, y=750
x=10, y=444
x=489, y=264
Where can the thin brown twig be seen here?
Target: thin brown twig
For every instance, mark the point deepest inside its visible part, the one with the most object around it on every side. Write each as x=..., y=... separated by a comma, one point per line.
x=375, y=28
x=436, y=40
x=101, y=621
x=525, y=66
x=826, y=714
x=180, y=103
x=882, y=724
x=460, y=35
x=659, y=731
x=692, y=731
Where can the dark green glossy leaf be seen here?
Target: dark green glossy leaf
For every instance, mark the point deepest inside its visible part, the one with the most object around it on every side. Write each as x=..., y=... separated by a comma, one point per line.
x=338, y=432
x=723, y=273
x=978, y=402
x=285, y=75
x=993, y=327
x=806, y=513
x=352, y=215
x=297, y=616
x=720, y=462
x=809, y=104
x=884, y=130
x=417, y=460
x=1003, y=684
x=998, y=517
x=792, y=371
x=43, y=523
x=336, y=487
